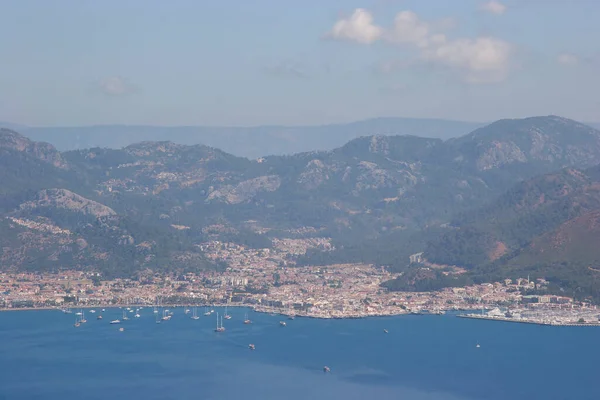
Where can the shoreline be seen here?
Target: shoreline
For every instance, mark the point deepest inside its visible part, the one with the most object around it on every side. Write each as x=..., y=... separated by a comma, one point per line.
x=525, y=321
x=254, y=308
x=286, y=313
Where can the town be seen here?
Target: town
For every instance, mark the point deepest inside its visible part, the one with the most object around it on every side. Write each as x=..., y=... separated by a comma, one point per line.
x=263, y=280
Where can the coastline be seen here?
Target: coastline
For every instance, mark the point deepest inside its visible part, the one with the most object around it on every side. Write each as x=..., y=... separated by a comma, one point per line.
x=323, y=316
x=252, y=307
x=527, y=321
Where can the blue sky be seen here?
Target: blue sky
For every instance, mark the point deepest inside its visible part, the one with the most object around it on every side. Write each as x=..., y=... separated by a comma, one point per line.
x=255, y=62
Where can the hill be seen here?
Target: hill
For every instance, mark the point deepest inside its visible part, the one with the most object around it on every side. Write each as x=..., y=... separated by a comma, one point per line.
x=544, y=227
x=380, y=198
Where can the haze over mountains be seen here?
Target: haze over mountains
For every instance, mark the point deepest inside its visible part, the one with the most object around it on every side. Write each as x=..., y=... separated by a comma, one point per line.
x=251, y=142
x=483, y=201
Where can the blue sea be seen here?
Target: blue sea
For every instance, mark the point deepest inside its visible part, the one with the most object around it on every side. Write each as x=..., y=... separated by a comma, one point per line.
x=42, y=356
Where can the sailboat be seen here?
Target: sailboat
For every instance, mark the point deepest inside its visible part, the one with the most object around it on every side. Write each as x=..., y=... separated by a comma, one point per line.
x=227, y=316
x=82, y=319
x=206, y=312
x=246, y=320
x=220, y=328
x=125, y=317
x=195, y=314
x=166, y=315
x=77, y=323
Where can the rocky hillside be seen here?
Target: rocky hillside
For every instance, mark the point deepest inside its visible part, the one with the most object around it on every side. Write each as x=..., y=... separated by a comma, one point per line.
x=11, y=141
x=156, y=201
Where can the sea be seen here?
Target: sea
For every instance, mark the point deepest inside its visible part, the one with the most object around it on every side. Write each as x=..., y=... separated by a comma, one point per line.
x=429, y=357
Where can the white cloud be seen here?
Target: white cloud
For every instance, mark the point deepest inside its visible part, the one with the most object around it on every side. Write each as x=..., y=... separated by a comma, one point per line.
x=484, y=59
x=409, y=29
x=567, y=59
x=358, y=28
x=478, y=60
x=116, y=86
x=494, y=7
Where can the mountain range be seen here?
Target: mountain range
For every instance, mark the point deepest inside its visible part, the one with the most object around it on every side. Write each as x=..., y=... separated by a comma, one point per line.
x=251, y=142
x=497, y=202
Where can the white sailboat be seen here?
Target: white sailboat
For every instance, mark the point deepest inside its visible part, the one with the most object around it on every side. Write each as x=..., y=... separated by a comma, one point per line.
x=125, y=317
x=220, y=328
x=206, y=311
x=247, y=321
x=195, y=314
x=227, y=316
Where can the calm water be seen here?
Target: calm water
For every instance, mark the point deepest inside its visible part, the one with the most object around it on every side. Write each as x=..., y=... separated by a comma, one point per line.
x=42, y=356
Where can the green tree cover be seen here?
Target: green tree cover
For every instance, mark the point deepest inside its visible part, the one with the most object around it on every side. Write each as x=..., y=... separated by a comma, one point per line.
x=380, y=198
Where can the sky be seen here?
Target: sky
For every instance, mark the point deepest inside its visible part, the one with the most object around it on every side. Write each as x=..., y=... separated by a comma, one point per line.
x=271, y=62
